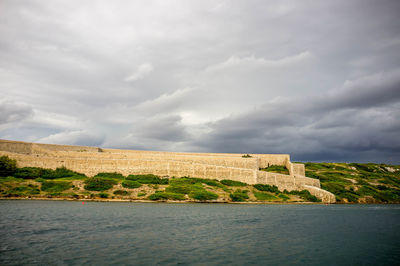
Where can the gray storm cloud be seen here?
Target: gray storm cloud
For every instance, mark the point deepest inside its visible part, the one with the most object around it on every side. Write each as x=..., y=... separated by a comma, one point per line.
x=319, y=80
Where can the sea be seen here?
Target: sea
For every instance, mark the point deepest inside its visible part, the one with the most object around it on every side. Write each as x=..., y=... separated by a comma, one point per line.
x=39, y=232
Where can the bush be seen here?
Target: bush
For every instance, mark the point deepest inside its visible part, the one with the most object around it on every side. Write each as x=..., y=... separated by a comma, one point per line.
x=99, y=184
x=267, y=188
x=24, y=191
x=305, y=195
x=232, y=183
x=283, y=197
x=247, y=156
x=203, y=195
x=7, y=166
x=55, y=186
x=239, y=195
x=103, y=195
x=265, y=196
x=62, y=172
x=31, y=172
x=276, y=169
x=121, y=192
x=184, y=186
x=141, y=194
x=110, y=175
x=166, y=195
x=130, y=184
x=148, y=179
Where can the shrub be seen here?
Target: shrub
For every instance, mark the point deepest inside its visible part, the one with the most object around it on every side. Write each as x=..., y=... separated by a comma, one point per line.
x=121, y=192
x=6, y=179
x=130, y=184
x=141, y=194
x=110, y=175
x=31, y=172
x=276, y=169
x=305, y=195
x=232, y=183
x=267, y=188
x=99, y=184
x=203, y=195
x=148, y=179
x=62, y=172
x=239, y=195
x=166, y=195
x=247, y=156
x=265, y=196
x=24, y=191
x=103, y=195
x=7, y=166
x=55, y=186
x=184, y=186
x=284, y=197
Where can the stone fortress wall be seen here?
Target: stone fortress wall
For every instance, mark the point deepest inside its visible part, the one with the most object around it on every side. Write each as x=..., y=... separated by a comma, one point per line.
x=93, y=160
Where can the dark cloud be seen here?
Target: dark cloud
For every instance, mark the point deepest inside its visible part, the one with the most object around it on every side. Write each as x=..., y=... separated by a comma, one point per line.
x=319, y=80
x=13, y=112
x=335, y=126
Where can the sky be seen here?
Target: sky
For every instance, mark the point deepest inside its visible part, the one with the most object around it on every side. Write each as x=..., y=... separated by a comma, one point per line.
x=319, y=80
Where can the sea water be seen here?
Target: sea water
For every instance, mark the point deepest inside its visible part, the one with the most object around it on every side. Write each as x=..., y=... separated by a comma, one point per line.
x=114, y=233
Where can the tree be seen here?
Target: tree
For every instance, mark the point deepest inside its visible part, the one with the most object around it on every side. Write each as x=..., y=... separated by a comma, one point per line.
x=7, y=166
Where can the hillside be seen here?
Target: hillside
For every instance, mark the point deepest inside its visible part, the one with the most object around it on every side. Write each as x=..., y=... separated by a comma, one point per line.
x=358, y=183
x=34, y=182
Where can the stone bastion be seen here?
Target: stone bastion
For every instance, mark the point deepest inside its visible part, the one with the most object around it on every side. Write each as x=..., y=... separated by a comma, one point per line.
x=93, y=160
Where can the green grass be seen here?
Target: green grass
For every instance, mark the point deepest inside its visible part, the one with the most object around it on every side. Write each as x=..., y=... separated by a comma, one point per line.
x=304, y=194
x=131, y=184
x=203, y=195
x=355, y=181
x=166, y=196
x=24, y=190
x=276, y=169
x=121, y=192
x=110, y=175
x=239, y=195
x=283, y=197
x=267, y=188
x=183, y=186
x=55, y=186
x=148, y=179
x=265, y=196
x=7, y=179
x=141, y=194
x=232, y=183
x=99, y=184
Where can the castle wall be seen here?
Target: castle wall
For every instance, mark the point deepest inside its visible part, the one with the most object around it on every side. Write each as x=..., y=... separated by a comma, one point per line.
x=93, y=160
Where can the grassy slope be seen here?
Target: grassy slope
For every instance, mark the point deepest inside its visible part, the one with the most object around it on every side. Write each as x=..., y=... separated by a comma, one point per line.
x=362, y=183
x=153, y=188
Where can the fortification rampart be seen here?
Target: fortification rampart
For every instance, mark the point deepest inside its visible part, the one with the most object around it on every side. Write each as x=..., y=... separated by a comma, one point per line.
x=93, y=160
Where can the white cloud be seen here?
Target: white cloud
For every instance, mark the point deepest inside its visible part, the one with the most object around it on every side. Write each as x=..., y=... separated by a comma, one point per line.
x=78, y=137
x=251, y=61
x=142, y=71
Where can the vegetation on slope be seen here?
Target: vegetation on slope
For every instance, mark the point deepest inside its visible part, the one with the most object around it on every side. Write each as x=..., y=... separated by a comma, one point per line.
x=358, y=183
x=280, y=169
x=369, y=183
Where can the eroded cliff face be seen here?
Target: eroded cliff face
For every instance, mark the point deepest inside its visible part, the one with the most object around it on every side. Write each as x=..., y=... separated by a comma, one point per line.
x=93, y=160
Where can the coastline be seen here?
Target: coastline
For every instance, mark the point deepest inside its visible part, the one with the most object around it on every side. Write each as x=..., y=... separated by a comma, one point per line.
x=164, y=201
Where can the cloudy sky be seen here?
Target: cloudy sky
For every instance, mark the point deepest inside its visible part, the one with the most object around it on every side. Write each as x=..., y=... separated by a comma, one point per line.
x=319, y=80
